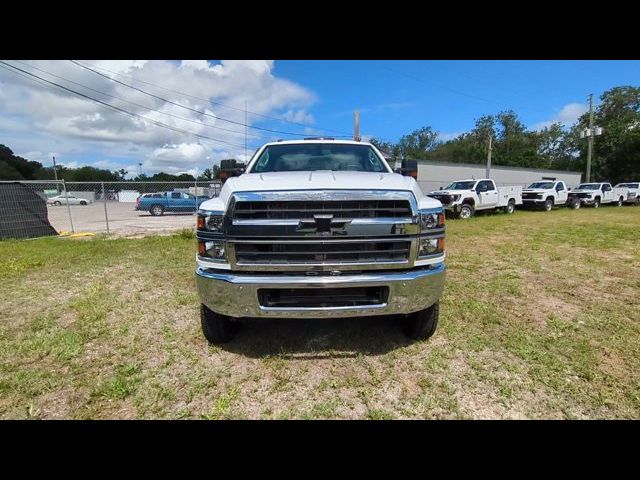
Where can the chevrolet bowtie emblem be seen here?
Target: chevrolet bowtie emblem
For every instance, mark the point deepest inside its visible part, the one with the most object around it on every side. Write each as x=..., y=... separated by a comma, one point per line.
x=324, y=225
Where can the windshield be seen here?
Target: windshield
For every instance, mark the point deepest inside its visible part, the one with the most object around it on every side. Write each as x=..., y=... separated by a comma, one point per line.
x=545, y=185
x=628, y=185
x=589, y=186
x=318, y=156
x=461, y=185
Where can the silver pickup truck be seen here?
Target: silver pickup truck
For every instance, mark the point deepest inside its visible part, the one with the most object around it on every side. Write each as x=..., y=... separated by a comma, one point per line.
x=319, y=228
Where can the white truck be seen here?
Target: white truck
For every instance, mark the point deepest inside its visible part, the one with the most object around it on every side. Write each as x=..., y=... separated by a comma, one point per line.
x=465, y=197
x=545, y=194
x=319, y=228
x=633, y=192
x=596, y=194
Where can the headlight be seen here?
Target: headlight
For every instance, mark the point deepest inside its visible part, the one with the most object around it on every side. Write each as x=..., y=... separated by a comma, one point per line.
x=211, y=223
x=431, y=220
x=212, y=249
x=430, y=246
x=455, y=198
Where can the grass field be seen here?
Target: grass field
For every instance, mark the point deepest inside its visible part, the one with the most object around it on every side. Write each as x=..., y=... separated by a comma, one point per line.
x=540, y=319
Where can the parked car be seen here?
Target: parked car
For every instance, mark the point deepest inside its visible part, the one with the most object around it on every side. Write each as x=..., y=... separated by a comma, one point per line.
x=62, y=200
x=545, y=194
x=319, y=228
x=633, y=192
x=596, y=194
x=465, y=197
x=160, y=202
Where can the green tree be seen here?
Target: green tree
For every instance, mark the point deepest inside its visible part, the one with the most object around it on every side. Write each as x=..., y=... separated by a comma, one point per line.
x=417, y=144
x=14, y=167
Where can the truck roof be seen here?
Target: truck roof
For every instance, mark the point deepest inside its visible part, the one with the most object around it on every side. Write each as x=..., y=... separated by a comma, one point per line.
x=315, y=140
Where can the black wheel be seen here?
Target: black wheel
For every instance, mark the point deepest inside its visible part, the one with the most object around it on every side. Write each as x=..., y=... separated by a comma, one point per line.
x=596, y=203
x=57, y=203
x=82, y=202
x=215, y=327
x=466, y=211
x=156, y=210
x=548, y=204
x=422, y=325
x=620, y=200
x=511, y=207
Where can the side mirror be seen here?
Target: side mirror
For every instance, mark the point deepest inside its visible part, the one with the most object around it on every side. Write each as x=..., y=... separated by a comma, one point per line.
x=440, y=188
x=397, y=170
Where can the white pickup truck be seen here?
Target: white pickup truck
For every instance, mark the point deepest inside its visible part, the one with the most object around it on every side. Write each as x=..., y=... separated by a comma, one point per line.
x=596, y=194
x=465, y=197
x=319, y=228
x=545, y=194
x=633, y=192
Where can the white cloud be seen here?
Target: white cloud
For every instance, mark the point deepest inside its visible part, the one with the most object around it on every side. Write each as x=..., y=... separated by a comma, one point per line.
x=567, y=116
x=298, y=116
x=47, y=120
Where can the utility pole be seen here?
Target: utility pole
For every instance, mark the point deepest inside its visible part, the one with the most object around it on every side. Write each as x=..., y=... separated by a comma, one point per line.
x=356, y=125
x=489, y=158
x=139, y=169
x=55, y=173
x=590, y=144
x=55, y=170
x=245, y=130
x=590, y=133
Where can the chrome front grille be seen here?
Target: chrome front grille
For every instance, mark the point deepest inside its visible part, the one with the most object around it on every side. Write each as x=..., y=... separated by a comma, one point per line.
x=322, y=230
x=321, y=253
x=345, y=209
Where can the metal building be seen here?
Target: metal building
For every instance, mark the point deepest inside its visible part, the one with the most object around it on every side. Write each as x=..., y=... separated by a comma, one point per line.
x=432, y=175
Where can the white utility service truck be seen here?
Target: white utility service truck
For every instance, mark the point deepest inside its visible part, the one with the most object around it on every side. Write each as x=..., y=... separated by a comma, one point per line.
x=465, y=197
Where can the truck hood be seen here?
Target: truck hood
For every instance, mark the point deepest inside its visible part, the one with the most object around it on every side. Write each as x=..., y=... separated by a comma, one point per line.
x=536, y=190
x=449, y=192
x=579, y=190
x=321, y=180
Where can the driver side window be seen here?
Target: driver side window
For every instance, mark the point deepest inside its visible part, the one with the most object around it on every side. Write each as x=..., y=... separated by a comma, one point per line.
x=485, y=186
x=560, y=187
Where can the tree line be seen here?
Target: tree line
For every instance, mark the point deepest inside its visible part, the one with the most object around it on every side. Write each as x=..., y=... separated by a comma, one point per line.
x=616, y=155
x=14, y=167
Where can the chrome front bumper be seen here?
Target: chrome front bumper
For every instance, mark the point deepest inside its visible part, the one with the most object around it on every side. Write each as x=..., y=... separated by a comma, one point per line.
x=236, y=294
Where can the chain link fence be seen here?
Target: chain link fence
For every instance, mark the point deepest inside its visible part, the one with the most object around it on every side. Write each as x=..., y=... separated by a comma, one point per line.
x=111, y=207
x=103, y=207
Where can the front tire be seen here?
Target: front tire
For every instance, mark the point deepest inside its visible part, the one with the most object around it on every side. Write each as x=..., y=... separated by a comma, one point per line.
x=620, y=201
x=422, y=325
x=156, y=210
x=83, y=203
x=548, y=205
x=596, y=203
x=576, y=204
x=57, y=203
x=215, y=327
x=466, y=211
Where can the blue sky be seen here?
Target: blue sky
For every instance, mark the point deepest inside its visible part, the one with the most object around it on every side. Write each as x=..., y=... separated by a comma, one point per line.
x=405, y=95
x=204, y=101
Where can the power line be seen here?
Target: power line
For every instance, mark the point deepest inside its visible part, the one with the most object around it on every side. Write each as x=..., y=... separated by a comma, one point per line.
x=280, y=119
x=139, y=105
x=183, y=106
x=118, y=109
